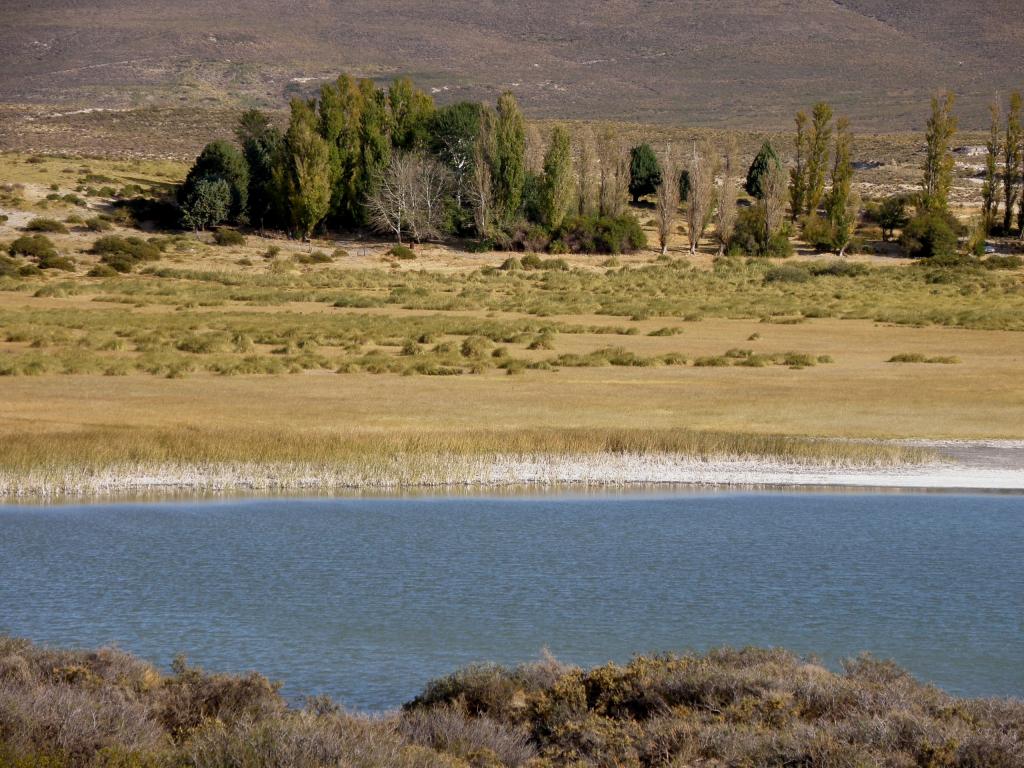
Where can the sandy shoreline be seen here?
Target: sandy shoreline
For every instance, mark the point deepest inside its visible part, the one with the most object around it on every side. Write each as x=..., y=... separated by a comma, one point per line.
x=966, y=465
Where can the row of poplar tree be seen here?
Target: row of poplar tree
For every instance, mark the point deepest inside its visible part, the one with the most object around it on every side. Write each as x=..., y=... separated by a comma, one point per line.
x=1004, y=171
x=389, y=158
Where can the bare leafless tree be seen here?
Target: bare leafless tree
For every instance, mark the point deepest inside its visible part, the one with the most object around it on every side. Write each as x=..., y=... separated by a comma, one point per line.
x=725, y=211
x=701, y=199
x=409, y=197
x=433, y=185
x=613, y=173
x=585, y=165
x=667, y=200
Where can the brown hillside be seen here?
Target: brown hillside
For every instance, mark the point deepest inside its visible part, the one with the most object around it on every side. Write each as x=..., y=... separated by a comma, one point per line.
x=701, y=62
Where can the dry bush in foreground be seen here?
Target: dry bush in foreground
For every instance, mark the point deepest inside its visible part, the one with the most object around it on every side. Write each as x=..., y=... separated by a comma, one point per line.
x=106, y=709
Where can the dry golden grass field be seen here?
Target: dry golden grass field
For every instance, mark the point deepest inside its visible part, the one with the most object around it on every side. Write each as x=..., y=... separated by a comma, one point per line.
x=271, y=340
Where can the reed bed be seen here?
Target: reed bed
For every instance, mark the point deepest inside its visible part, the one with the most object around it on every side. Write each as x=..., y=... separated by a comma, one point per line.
x=111, y=460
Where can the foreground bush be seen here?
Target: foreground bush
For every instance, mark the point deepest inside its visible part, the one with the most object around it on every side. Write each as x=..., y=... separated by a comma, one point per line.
x=65, y=709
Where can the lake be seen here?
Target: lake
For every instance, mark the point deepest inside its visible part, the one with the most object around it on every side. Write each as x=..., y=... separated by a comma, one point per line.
x=366, y=599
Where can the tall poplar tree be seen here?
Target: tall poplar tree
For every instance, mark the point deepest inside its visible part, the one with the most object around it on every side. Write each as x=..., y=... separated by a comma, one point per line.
x=261, y=145
x=411, y=111
x=817, y=156
x=374, y=143
x=341, y=111
x=841, y=213
x=1012, y=160
x=508, y=163
x=938, y=164
x=990, y=188
x=798, y=173
x=558, y=179
x=306, y=170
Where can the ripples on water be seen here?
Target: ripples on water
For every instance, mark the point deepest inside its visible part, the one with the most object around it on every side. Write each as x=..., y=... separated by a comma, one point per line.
x=367, y=599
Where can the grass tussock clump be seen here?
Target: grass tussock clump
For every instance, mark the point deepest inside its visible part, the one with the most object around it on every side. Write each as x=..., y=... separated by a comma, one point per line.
x=917, y=357
x=752, y=707
x=46, y=225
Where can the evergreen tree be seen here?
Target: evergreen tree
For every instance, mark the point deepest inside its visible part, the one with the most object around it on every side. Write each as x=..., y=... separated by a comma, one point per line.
x=938, y=164
x=306, y=170
x=1012, y=159
x=206, y=204
x=453, y=135
x=765, y=163
x=508, y=163
x=685, y=185
x=644, y=172
x=557, y=184
x=990, y=188
x=817, y=155
x=798, y=173
x=341, y=113
x=841, y=214
x=261, y=147
x=411, y=111
x=221, y=160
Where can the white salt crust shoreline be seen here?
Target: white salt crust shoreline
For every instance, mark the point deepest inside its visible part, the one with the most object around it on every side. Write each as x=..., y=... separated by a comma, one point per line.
x=527, y=472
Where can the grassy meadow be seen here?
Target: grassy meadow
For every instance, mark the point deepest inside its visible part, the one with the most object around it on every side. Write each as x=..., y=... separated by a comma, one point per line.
x=338, y=348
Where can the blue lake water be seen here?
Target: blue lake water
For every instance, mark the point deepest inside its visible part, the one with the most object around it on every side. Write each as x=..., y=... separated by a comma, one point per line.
x=366, y=599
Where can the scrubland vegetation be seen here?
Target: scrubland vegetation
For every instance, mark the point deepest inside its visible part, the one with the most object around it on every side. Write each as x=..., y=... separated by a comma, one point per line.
x=770, y=708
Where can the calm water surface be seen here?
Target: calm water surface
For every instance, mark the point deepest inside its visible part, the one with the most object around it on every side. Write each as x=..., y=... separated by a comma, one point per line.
x=367, y=599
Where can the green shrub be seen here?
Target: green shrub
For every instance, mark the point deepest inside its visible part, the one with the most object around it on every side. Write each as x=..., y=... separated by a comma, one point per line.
x=787, y=273
x=917, y=357
x=817, y=231
x=1003, y=262
x=750, y=237
x=402, y=252
x=838, y=268
x=98, y=224
x=46, y=225
x=605, y=234
x=124, y=253
x=228, y=237
x=33, y=246
x=930, y=235
x=316, y=257
x=57, y=262
x=713, y=361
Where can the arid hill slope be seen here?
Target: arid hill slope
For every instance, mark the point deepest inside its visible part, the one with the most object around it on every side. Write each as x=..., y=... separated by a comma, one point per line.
x=702, y=61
